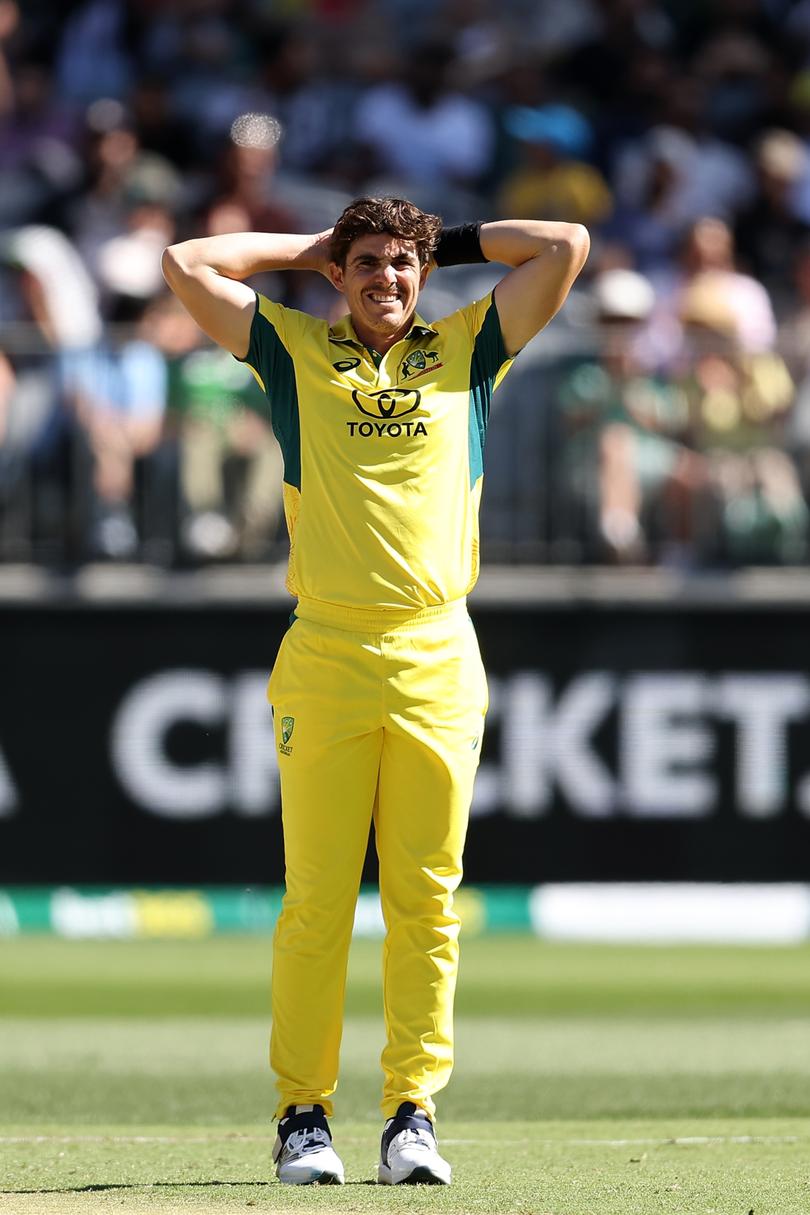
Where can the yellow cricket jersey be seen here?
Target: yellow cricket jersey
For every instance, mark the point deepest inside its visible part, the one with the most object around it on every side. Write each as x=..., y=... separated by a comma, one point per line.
x=383, y=456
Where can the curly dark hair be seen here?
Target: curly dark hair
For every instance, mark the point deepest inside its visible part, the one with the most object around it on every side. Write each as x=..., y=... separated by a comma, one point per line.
x=396, y=216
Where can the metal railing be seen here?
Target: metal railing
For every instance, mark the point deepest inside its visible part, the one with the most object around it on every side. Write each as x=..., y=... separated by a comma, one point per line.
x=554, y=471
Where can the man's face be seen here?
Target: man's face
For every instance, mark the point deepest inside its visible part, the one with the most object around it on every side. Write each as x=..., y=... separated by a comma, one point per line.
x=381, y=281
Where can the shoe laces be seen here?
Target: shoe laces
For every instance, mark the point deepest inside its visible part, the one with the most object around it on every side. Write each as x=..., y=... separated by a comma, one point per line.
x=421, y=1138
x=310, y=1139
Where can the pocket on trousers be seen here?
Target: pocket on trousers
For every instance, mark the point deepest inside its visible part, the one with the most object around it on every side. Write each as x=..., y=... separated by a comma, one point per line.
x=275, y=684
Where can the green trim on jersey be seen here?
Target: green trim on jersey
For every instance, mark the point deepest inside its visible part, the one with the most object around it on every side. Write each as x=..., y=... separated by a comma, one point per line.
x=488, y=357
x=278, y=380
x=383, y=455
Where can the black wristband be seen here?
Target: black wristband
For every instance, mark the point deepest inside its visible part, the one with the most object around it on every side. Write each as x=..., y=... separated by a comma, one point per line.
x=459, y=246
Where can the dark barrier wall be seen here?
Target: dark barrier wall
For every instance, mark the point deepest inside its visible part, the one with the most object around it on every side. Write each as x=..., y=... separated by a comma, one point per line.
x=135, y=745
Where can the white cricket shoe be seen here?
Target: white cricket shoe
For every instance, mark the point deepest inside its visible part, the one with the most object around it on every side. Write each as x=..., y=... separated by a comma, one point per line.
x=408, y=1151
x=303, y=1152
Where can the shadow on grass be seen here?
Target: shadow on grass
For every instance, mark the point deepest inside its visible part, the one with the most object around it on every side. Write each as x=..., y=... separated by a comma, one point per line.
x=157, y=1185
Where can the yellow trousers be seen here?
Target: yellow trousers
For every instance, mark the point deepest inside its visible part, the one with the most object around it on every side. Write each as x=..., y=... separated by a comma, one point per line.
x=375, y=717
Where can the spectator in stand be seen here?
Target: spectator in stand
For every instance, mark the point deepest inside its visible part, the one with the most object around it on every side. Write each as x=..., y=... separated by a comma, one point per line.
x=204, y=50
x=158, y=127
x=735, y=67
x=230, y=462
x=794, y=346
x=707, y=250
x=312, y=101
x=118, y=173
x=647, y=218
x=769, y=231
x=129, y=264
x=553, y=177
x=218, y=415
x=794, y=332
x=52, y=303
x=615, y=34
x=29, y=111
x=120, y=394
x=94, y=57
x=739, y=405
x=720, y=178
x=245, y=171
x=562, y=29
x=421, y=131
x=677, y=172
x=56, y=294
x=37, y=133
x=622, y=454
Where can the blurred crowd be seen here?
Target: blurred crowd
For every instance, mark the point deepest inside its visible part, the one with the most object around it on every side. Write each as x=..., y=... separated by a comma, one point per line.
x=677, y=381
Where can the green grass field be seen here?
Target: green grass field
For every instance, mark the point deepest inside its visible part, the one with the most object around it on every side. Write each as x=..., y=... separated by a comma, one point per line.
x=589, y=1081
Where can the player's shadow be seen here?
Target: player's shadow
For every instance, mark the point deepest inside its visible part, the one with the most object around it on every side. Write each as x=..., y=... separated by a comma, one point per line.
x=155, y=1185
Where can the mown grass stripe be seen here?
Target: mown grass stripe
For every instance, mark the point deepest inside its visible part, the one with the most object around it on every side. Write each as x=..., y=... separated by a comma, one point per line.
x=677, y=1141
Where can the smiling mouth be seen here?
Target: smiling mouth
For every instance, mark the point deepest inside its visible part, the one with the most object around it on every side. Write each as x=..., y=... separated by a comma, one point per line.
x=379, y=298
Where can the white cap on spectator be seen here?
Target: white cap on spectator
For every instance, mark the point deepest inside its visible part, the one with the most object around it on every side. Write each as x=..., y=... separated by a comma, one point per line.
x=623, y=295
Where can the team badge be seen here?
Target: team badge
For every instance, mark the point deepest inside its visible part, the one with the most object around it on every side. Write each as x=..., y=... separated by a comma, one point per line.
x=287, y=727
x=416, y=362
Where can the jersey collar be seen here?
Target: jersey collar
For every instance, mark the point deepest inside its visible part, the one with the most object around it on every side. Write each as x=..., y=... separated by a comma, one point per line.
x=343, y=330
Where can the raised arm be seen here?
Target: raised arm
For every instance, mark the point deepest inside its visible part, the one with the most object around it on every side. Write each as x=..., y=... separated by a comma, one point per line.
x=207, y=276
x=547, y=257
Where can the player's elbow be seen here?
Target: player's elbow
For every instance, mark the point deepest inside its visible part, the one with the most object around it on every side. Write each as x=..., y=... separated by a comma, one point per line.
x=181, y=263
x=578, y=244
x=171, y=264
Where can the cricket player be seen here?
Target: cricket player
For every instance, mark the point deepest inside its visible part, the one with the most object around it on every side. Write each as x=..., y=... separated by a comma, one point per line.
x=378, y=690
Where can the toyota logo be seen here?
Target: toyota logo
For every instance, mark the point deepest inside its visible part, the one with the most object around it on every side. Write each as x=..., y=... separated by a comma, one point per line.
x=389, y=403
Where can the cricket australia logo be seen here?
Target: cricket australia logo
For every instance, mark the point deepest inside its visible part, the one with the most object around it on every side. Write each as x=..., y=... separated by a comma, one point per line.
x=417, y=362
x=386, y=407
x=287, y=727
